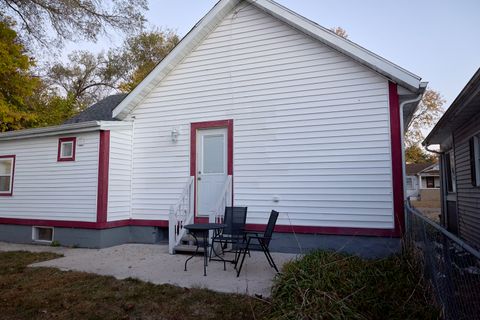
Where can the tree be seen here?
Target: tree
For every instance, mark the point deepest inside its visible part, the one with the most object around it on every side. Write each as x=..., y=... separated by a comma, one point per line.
x=72, y=20
x=339, y=31
x=85, y=79
x=415, y=154
x=140, y=54
x=50, y=109
x=16, y=81
x=429, y=110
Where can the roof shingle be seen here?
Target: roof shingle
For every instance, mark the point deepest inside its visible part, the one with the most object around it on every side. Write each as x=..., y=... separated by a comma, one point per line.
x=100, y=111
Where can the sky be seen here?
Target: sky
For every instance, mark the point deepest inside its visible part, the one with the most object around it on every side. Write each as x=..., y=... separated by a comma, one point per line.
x=436, y=39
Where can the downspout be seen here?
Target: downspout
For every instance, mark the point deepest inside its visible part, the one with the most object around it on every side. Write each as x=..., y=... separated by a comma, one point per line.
x=402, y=105
x=443, y=179
x=402, y=138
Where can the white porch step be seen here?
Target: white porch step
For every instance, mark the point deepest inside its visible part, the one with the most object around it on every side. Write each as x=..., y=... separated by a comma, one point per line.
x=187, y=248
x=188, y=238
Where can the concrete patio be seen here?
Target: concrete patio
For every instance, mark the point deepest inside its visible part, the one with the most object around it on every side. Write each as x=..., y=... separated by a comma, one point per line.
x=152, y=263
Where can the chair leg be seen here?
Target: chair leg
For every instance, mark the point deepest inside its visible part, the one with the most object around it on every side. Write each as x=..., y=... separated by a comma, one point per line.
x=211, y=249
x=241, y=263
x=267, y=252
x=238, y=257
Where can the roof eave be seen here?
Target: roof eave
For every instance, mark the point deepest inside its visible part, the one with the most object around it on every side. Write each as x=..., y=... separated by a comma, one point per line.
x=442, y=128
x=408, y=116
x=49, y=131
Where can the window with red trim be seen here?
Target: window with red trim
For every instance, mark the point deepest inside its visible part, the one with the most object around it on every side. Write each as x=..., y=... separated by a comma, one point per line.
x=66, y=149
x=7, y=170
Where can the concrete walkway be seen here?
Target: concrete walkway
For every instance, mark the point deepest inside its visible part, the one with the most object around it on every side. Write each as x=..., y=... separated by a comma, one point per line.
x=152, y=263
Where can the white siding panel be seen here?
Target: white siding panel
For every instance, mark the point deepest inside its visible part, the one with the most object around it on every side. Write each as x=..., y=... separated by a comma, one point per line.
x=50, y=190
x=311, y=127
x=120, y=174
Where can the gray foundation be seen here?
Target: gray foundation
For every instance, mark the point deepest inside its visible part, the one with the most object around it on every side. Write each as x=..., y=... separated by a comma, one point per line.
x=366, y=247
x=88, y=238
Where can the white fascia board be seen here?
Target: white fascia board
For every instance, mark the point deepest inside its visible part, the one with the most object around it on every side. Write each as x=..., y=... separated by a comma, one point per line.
x=186, y=45
x=111, y=125
x=51, y=131
x=347, y=47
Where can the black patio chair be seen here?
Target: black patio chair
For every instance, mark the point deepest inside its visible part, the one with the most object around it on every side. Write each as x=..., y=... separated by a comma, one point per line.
x=263, y=243
x=234, y=219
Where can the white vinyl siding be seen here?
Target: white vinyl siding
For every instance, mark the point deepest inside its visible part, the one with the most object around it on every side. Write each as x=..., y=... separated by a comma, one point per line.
x=119, y=190
x=311, y=127
x=50, y=190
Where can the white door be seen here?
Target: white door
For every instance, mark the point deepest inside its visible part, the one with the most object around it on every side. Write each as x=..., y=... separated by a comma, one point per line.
x=211, y=168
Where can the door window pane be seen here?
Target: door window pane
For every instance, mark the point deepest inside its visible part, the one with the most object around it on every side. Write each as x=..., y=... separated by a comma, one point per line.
x=5, y=167
x=4, y=184
x=213, y=154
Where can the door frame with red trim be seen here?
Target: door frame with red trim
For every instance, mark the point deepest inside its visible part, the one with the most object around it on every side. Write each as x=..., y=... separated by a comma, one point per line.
x=194, y=127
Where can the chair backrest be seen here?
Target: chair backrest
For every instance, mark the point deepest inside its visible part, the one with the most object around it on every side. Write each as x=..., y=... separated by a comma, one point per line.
x=235, y=219
x=272, y=221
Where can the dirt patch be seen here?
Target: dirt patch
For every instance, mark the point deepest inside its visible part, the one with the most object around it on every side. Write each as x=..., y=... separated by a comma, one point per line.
x=48, y=293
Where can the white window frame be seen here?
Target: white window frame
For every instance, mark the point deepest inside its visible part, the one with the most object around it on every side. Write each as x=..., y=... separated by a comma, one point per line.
x=62, y=147
x=476, y=148
x=35, y=234
x=11, y=175
x=66, y=141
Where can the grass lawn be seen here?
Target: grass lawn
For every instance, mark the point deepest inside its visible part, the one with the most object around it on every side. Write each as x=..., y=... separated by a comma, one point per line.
x=319, y=286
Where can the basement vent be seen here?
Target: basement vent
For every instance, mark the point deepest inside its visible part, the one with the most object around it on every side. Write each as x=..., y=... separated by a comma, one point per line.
x=42, y=234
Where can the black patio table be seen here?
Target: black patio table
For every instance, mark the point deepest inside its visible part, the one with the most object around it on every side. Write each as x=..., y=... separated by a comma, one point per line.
x=202, y=230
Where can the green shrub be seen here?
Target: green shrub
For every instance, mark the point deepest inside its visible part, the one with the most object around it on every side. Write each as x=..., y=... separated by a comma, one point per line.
x=55, y=243
x=328, y=285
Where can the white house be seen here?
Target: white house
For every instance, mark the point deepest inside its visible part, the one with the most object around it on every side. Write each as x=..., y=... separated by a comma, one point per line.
x=256, y=105
x=423, y=179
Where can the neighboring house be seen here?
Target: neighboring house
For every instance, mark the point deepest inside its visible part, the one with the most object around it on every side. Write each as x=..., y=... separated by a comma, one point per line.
x=423, y=181
x=458, y=134
x=257, y=105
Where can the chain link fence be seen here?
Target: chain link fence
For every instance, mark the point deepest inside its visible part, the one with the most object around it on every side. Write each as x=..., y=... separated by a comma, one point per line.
x=451, y=266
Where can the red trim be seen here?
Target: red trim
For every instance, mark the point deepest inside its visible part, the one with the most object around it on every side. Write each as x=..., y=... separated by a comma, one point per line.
x=13, y=176
x=103, y=165
x=163, y=223
x=74, y=147
x=193, y=148
x=397, y=165
x=326, y=230
x=84, y=224
x=317, y=230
